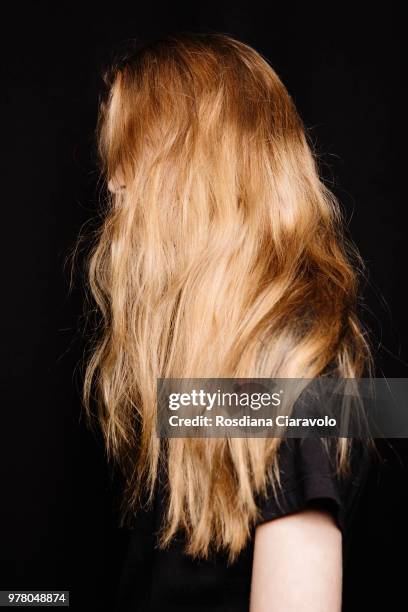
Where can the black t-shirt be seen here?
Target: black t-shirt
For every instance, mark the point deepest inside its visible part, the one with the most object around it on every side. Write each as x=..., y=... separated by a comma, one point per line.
x=169, y=580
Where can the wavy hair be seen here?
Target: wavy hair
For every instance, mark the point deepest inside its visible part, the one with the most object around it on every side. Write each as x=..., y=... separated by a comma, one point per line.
x=221, y=254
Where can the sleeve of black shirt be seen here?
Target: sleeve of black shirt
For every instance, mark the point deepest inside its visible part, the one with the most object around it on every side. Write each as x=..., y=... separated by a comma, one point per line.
x=309, y=479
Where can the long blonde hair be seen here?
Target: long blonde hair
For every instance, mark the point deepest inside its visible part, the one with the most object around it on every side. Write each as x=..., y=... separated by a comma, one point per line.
x=222, y=256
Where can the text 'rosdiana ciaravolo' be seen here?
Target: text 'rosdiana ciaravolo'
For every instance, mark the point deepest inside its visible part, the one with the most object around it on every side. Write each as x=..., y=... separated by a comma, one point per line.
x=205, y=404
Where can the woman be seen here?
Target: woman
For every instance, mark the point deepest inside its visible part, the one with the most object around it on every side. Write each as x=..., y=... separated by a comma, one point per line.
x=221, y=254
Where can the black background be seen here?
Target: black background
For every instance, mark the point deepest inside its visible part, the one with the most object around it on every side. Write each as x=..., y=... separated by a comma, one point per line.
x=344, y=71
